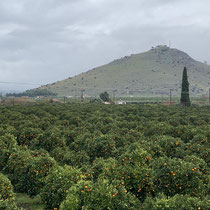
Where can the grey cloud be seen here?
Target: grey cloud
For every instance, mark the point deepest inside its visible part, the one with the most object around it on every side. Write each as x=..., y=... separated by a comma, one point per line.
x=44, y=41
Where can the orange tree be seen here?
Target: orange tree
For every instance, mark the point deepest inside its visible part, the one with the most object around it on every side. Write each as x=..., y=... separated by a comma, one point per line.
x=102, y=146
x=156, y=128
x=78, y=159
x=26, y=134
x=176, y=176
x=103, y=168
x=48, y=140
x=177, y=202
x=7, y=196
x=36, y=171
x=99, y=195
x=56, y=184
x=8, y=144
x=134, y=172
x=16, y=168
x=27, y=169
x=130, y=170
x=123, y=145
x=161, y=145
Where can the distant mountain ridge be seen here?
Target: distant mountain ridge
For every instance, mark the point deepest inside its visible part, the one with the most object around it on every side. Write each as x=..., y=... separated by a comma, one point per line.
x=149, y=73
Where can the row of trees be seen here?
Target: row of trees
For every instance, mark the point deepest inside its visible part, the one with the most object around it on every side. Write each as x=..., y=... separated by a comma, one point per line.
x=94, y=156
x=33, y=93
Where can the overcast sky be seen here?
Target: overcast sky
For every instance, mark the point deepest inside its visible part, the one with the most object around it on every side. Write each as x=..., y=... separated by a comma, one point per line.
x=42, y=41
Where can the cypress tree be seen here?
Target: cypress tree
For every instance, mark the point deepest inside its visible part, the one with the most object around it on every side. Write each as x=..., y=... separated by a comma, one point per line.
x=105, y=97
x=185, y=98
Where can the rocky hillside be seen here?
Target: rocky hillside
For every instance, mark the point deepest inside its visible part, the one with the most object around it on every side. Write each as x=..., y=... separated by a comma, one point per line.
x=150, y=73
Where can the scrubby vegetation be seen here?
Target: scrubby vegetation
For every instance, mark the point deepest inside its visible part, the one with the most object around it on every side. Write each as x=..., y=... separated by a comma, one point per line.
x=33, y=93
x=96, y=156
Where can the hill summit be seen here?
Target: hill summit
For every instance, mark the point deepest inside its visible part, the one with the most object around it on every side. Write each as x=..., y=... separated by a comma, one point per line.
x=148, y=73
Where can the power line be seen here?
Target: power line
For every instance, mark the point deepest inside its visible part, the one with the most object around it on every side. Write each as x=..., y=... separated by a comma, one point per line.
x=113, y=89
x=83, y=88
x=18, y=83
x=73, y=87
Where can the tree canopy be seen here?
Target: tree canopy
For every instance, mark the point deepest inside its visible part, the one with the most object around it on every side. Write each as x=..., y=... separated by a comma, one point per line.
x=185, y=98
x=105, y=97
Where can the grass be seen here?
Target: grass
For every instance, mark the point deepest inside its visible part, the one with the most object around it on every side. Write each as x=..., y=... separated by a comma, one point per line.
x=25, y=202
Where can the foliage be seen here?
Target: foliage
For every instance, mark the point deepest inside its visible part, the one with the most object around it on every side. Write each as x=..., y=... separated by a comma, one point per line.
x=104, y=97
x=185, y=98
x=27, y=170
x=99, y=195
x=134, y=171
x=177, y=202
x=59, y=180
x=48, y=140
x=33, y=93
x=176, y=176
x=27, y=134
x=126, y=155
x=103, y=146
x=8, y=144
x=7, y=196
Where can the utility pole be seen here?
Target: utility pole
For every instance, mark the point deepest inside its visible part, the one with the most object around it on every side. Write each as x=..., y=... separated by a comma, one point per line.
x=114, y=91
x=170, y=97
x=82, y=95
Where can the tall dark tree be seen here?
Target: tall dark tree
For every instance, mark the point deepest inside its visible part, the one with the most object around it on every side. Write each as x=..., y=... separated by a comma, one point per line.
x=105, y=97
x=185, y=97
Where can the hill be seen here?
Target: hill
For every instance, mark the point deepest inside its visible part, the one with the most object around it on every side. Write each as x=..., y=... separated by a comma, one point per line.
x=152, y=72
